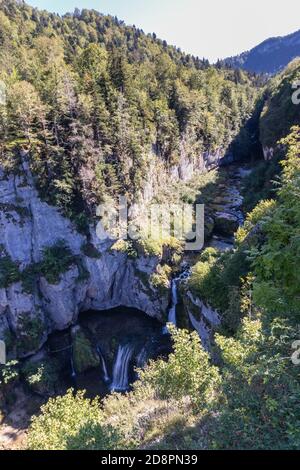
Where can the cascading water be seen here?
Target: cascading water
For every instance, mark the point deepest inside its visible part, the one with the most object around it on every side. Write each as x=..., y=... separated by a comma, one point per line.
x=172, y=312
x=73, y=373
x=141, y=358
x=120, y=381
x=106, y=377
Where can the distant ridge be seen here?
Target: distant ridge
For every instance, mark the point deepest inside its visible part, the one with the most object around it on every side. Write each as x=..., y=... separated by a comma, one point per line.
x=271, y=56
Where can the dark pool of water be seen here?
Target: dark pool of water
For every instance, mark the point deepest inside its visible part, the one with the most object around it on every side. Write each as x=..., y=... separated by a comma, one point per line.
x=110, y=331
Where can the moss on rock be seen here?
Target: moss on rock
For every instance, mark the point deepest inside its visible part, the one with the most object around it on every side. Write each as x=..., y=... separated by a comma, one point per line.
x=84, y=356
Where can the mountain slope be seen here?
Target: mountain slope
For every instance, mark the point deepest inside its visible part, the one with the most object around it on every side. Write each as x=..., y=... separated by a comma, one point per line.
x=271, y=56
x=106, y=103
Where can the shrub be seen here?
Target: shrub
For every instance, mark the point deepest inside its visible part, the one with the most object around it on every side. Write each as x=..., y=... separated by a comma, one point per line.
x=71, y=422
x=150, y=247
x=186, y=373
x=125, y=246
x=261, y=184
x=276, y=263
x=258, y=215
x=9, y=272
x=57, y=259
x=30, y=333
x=41, y=376
x=161, y=278
x=261, y=388
x=9, y=373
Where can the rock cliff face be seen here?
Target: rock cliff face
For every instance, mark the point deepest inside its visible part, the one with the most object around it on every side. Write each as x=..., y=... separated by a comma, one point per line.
x=28, y=226
x=204, y=319
x=187, y=166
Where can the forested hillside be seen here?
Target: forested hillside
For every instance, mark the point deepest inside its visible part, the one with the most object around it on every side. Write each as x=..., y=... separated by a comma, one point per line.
x=94, y=100
x=269, y=57
x=91, y=108
x=248, y=396
x=279, y=114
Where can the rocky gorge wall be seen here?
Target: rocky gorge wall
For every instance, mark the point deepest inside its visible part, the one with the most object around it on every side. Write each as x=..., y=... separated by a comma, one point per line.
x=27, y=227
x=187, y=166
x=103, y=281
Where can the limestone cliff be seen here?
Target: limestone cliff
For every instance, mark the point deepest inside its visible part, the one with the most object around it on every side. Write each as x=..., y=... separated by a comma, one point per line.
x=27, y=227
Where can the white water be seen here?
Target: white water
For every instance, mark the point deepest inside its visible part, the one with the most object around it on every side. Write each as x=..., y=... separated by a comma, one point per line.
x=172, y=312
x=120, y=381
x=142, y=358
x=73, y=372
x=106, y=377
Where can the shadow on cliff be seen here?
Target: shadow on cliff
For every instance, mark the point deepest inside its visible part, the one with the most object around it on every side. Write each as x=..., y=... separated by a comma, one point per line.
x=246, y=146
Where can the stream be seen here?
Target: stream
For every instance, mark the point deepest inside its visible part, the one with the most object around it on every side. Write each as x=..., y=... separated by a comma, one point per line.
x=124, y=339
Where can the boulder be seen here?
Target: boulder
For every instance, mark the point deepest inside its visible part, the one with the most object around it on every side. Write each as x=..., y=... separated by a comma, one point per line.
x=226, y=223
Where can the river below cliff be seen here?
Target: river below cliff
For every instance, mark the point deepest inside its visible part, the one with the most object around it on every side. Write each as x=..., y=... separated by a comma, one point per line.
x=112, y=345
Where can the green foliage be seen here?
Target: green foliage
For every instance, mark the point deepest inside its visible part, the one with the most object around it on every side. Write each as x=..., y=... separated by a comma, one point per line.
x=277, y=262
x=57, y=259
x=150, y=247
x=161, y=279
x=216, y=277
x=9, y=272
x=91, y=99
x=83, y=354
x=257, y=216
x=280, y=113
x=261, y=184
x=8, y=374
x=71, y=422
x=261, y=388
x=158, y=247
x=30, y=333
x=187, y=372
x=125, y=246
x=41, y=376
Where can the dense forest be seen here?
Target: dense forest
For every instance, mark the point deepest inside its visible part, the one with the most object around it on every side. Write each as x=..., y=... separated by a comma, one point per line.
x=93, y=99
x=90, y=104
x=270, y=57
x=248, y=396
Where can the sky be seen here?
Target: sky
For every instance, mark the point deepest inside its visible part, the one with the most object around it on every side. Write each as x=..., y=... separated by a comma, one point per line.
x=206, y=28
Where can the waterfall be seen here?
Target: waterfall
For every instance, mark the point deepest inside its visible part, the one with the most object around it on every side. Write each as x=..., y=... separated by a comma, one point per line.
x=73, y=373
x=120, y=381
x=172, y=311
x=184, y=276
x=106, y=377
x=141, y=358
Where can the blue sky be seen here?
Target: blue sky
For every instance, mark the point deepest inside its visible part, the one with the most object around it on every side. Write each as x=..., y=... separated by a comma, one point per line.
x=209, y=28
